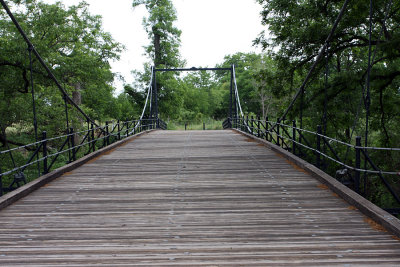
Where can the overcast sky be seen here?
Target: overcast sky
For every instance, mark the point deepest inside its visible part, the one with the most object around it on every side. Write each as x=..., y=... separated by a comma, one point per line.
x=210, y=29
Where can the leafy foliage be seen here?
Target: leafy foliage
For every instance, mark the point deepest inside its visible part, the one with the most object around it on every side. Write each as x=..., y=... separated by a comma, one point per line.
x=163, y=51
x=337, y=95
x=75, y=47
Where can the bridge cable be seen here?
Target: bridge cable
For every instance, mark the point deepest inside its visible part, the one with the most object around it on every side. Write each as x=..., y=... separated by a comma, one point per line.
x=325, y=115
x=49, y=72
x=145, y=104
x=67, y=120
x=368, y=96
x=151, y=99
x=35, y=125
x=314, y=65
x=237, y=97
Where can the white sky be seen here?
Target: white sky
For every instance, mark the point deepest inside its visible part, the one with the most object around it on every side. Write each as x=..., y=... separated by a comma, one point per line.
x=210, y=29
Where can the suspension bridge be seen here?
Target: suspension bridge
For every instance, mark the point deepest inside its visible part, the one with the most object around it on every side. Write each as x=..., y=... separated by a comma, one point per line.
x=254, y=194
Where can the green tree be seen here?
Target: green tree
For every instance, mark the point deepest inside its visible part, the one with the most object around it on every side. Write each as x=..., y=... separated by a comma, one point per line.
x=165, y=37
x=74, y=45
x=163, y=51
x=201, y=97
x=297, y=31
x=247, y=65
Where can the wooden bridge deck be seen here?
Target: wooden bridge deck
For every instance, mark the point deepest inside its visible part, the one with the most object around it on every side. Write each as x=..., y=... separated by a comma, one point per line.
x=190, y=198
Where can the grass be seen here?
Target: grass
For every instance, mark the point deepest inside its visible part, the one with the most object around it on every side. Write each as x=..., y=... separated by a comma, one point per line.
x=208, y=125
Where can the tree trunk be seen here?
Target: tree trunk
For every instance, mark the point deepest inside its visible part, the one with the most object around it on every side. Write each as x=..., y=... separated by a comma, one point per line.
x=157, y=49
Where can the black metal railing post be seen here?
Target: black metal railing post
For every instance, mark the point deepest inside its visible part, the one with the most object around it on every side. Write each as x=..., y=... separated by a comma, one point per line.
x=258, y=127
x=89, y=137
x=107, y=134
x=92, y=133
x=278, y=132
x=44, y=144
x=126, y=128
x=72, y=140
x=318, y=153
x=252, y=125
x=247, y=123
x=237, y=119
x=358, y=165
x=300, y=151
x=204, y=126
x=294, y=137
x=135, y=129
x=119, y=130
x=1, y=184
x=266, y=129
x=1, y=181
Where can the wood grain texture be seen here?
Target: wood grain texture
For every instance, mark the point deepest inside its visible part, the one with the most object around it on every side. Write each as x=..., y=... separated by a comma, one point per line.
x=385, y=219
x=175, y=198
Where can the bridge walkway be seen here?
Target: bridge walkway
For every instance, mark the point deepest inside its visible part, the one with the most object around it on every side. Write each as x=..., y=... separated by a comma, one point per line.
x=189, y=198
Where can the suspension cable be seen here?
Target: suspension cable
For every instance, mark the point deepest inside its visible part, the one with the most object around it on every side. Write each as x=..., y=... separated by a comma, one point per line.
x=67, y=120
x=325, y=115
x=237, y=96
x=147, y=99
x=368, y=96
x=35, y=125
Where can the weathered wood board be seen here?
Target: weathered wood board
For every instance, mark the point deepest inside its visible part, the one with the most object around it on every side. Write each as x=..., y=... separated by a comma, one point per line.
x=176, y=198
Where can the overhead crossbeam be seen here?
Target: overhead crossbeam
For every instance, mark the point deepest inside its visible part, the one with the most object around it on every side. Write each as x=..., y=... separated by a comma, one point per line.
x=154, y=109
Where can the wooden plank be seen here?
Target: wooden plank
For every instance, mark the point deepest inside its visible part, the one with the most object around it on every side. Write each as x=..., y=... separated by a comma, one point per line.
x=195, y=198
x=389, y=222
x=28, y=188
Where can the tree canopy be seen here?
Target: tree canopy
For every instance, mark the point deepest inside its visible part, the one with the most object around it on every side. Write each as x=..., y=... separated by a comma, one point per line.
x=77, y=49
x=338, y=95
x=160, y=28
x=298, y=29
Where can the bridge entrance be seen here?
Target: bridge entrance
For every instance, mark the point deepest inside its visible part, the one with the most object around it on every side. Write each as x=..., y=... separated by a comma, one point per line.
x=154, y=90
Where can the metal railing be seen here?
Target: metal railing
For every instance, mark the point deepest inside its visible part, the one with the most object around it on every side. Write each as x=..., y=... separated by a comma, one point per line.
x=340, y=159
x=46, y=153
x=50, y=153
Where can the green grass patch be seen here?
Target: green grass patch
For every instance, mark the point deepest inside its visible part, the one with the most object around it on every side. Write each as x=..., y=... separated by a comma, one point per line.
x=206, y=125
